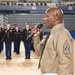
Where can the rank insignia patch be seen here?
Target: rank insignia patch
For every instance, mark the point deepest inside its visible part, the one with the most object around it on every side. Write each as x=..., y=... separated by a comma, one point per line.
x=66, y=48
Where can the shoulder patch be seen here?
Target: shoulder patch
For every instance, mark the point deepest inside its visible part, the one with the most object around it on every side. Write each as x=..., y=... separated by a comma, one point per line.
x=66, y=48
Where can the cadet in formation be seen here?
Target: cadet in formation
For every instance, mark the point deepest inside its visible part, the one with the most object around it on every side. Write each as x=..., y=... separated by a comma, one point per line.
x=27, y=43
x=8, y=41
x=17, y=39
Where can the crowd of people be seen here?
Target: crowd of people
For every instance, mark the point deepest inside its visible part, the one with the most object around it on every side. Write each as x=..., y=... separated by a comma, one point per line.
x=16, y=35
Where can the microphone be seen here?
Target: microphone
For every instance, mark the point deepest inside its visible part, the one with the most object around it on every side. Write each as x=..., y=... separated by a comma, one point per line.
x=40, y=26
x=30, y=35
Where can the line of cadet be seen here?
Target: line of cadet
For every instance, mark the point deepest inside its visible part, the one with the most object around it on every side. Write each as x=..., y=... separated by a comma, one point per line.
x=16, y=35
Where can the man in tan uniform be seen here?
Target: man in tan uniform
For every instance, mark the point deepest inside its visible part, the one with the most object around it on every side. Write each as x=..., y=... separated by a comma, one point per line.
x=57, y=53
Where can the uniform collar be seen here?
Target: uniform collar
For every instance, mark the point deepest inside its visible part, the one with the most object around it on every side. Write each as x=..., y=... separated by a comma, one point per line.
x=57, y=27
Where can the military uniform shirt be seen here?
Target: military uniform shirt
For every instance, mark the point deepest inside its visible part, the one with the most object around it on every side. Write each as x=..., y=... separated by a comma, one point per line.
x=57, y=55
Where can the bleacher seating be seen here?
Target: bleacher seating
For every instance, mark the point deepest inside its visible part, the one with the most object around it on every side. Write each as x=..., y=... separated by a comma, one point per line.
x=3, y=3
x=37, y=3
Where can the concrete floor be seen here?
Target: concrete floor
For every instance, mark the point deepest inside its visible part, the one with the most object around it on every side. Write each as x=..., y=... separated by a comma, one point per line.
x=19, y=65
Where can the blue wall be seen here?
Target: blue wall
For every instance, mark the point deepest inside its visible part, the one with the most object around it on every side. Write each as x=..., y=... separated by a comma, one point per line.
x=73, y=34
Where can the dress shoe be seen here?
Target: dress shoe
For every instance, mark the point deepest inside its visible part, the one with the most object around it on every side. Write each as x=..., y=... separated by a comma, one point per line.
x=6, y=58
x=10, y=58
x=17, y=53
x=28, y=57
x=14, y=51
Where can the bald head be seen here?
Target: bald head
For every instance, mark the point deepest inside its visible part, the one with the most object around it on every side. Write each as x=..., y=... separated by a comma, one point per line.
x=56, y=12
x=53, y=17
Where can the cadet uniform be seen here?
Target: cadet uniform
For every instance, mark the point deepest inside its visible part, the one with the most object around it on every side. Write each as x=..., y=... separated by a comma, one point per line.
x=57, y=54
x=8, y=42
x=17, y=40
x=1, y=39
x=13, y=29
x=27, y=43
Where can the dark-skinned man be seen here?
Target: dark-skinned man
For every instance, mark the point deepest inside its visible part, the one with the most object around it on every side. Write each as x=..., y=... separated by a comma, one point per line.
x=57, y=53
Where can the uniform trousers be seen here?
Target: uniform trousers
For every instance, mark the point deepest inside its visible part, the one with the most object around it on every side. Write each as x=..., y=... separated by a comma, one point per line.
x=27, y=49
x=8, y=50
x=17, y=47
x=14, y=46
x=2, y=46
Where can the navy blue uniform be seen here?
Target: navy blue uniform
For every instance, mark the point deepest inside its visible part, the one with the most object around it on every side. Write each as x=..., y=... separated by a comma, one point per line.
x=8, y=42
x=1, y=39
x=27, y=43
x=17, y=40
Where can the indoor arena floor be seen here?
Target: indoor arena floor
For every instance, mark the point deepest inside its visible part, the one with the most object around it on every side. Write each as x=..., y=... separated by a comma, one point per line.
x=19, y=65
